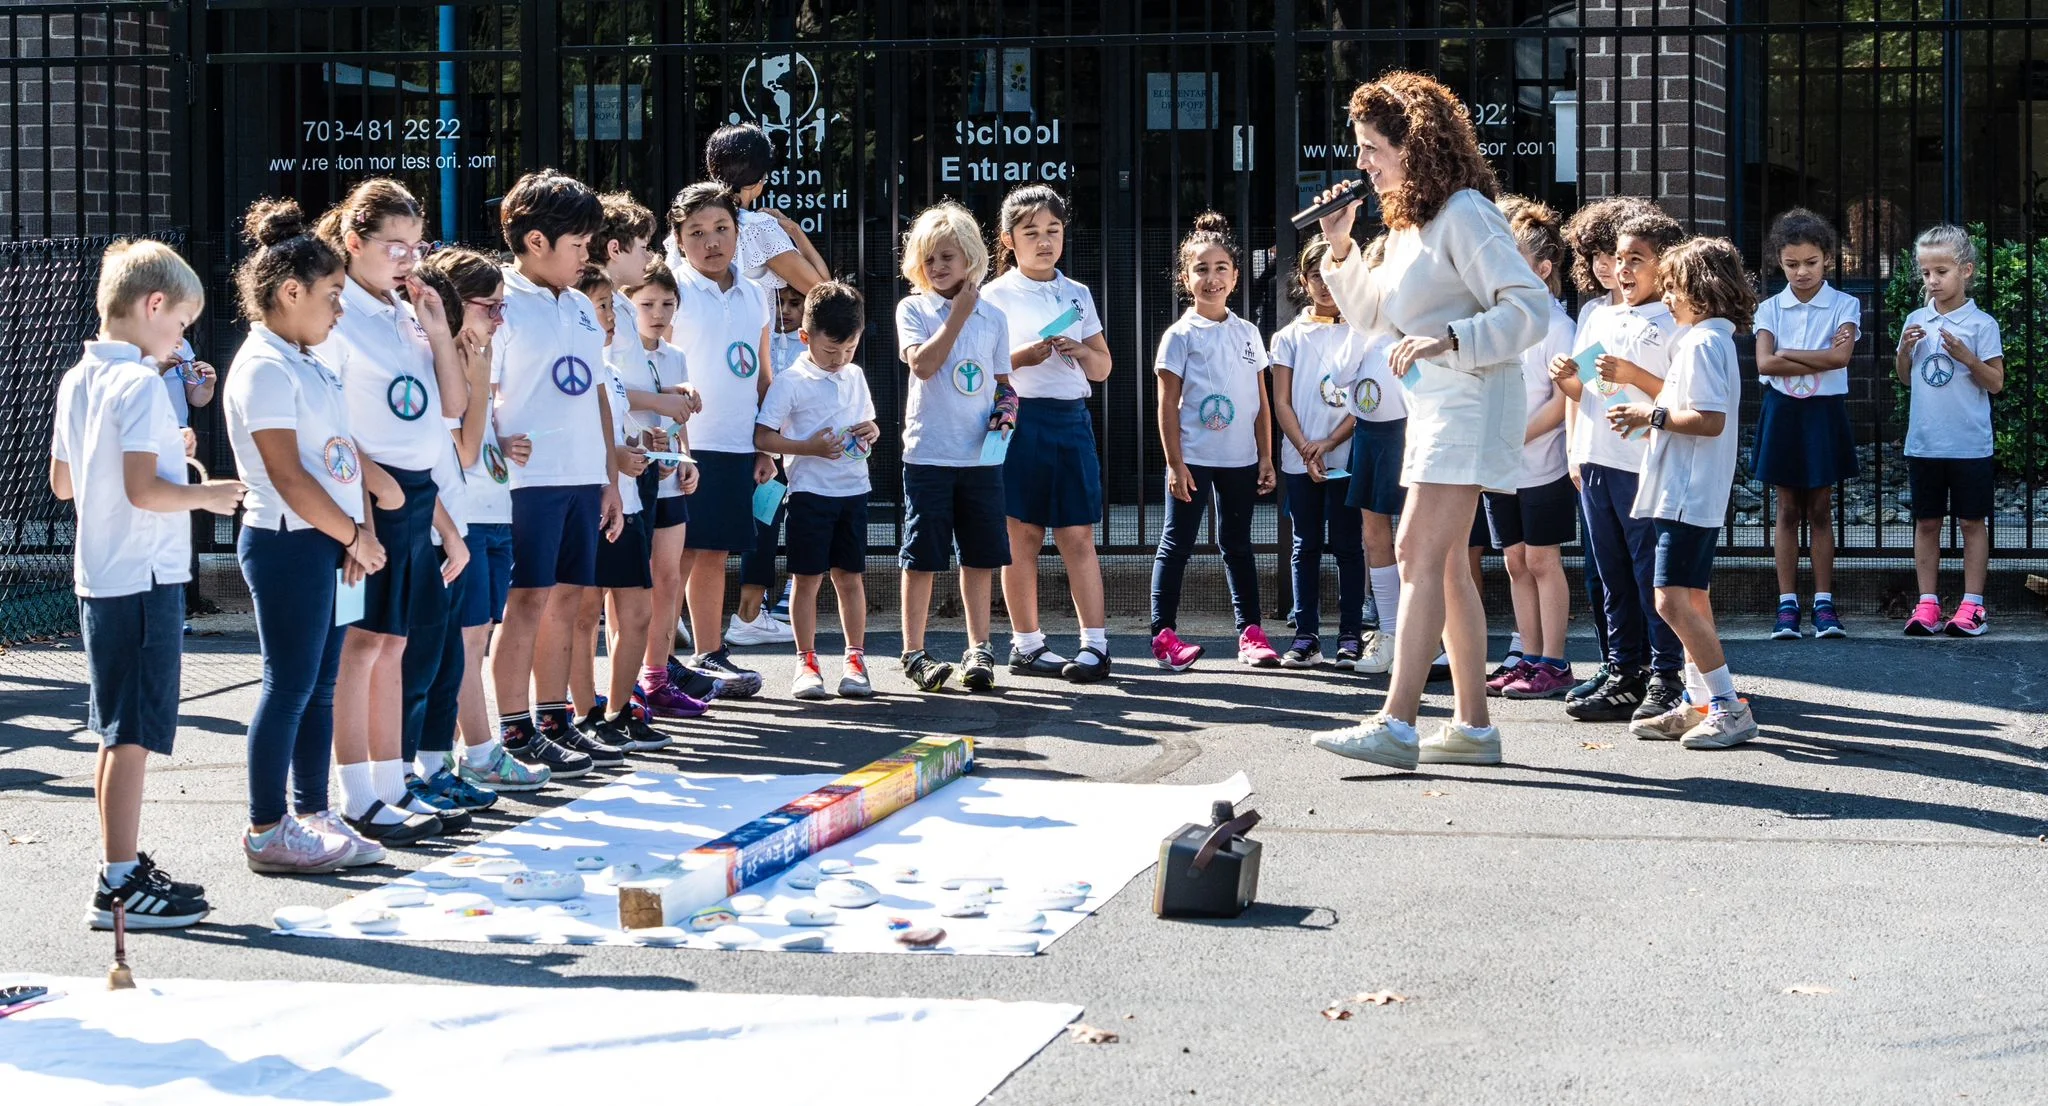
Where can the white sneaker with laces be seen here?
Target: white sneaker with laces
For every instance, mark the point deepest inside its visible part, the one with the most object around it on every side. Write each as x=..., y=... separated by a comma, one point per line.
x=763, y=630
x=1457, y=743
x=329, y=822
x=1375, y=654
x=1669, y=726
x=1722, y=729
x=1380, y=739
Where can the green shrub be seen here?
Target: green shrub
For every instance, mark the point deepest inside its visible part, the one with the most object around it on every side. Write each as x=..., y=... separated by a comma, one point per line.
x=2013, y=286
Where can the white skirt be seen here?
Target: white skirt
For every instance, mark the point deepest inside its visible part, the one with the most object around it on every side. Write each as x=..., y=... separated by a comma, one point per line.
x=1465, y=428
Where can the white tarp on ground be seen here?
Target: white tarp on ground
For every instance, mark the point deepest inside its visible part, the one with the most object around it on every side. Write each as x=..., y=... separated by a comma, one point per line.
x=200, y=1042
x=1032, y=834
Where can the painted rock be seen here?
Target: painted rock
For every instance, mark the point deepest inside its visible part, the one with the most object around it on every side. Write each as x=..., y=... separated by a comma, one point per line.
x=1019, y=921
x=903, y=875
x=802, y=942
x=666, y=937
x=803, y=877
x=748, y=904
x=710, y=918
x=734, y=937
x=398, y=896
x=376, y=922
x=923, y=938
x=574, y=908
x=835, y=867
x=803, y=917
x=1018, y=943
x=848, y=894
x=441, y=882
x=964, y=883
x=963, y=908
x=547, y=886
x=299, y=917
x=621, y=873
x=589, y=863
x=1057, y=898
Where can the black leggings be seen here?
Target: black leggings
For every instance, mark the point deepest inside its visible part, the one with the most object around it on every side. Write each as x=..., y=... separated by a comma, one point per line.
x=1234, y=491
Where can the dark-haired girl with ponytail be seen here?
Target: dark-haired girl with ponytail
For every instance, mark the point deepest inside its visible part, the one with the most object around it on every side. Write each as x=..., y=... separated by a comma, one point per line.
x=305, y=532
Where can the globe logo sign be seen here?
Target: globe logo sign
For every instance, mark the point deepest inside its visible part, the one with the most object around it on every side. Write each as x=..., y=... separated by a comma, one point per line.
x=339, y=458
x=406, y=397
x=571, y=374
x=779, y=92
x=1216, y=412
x=742, y=359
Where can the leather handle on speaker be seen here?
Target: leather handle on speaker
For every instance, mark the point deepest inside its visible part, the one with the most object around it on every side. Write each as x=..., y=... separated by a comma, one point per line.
x=1236, y=827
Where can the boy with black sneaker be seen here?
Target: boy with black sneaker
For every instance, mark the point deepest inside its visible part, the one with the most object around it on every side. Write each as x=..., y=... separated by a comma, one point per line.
x=116, y=453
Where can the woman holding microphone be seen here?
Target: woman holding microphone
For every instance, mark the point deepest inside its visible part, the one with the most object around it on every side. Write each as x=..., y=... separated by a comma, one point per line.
x=1462, y=305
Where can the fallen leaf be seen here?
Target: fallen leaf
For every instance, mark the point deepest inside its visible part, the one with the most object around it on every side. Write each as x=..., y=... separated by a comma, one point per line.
x=1379, y=998
x=1596, y=744
x=1337, y=1012
x=1082, y=1033
x=24, y=839
x=1341, y=1010
x=1434, y=794
x=1128, y=1017
x=1809, y=989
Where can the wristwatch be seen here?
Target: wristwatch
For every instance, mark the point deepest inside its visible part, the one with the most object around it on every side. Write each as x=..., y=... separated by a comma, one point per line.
x=1658, y=416
x=1451, y=335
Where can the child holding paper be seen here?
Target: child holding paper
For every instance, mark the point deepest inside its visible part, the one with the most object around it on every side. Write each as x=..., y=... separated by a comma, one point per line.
x=958, y=349
x=820, y=415
x=116, y=453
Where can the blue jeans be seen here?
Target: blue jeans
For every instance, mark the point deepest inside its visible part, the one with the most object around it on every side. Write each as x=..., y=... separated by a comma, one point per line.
x=1234, y=490
x=291, y=734
x=1322, y=521
x=1626, y=548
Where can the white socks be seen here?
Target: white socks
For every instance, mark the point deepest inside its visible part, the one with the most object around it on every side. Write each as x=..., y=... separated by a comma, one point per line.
x=1695, y=685
x=1035, y=640
x=388, y=777
x=1820, y=597
x=1097, y=639
x=1386, y=596
x=1973, y=597
x=481, y=757
x=1721, y=686
x=358, y=789
x=114, y=873
x=1515, y=645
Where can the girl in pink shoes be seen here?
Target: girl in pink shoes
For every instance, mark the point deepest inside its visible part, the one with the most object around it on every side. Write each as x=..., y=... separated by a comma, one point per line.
x=1216, y=429
x=1951, y=357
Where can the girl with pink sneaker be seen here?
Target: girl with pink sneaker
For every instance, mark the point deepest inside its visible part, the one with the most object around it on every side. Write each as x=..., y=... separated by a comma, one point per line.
x=1216, y=429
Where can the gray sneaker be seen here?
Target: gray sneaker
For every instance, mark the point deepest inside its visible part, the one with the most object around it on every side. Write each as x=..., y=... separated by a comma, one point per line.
x=328, y=822
x=853, y=678
x=296, y=849
x=1381, y=739
x=1722, y=729
x=1669, y=726
x=1457, y=743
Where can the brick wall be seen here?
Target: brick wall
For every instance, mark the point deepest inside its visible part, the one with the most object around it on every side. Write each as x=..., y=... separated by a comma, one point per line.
x=1656, y=107
x=89, y=142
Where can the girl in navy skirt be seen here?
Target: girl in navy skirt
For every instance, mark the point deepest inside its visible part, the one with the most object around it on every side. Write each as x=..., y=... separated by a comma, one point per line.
x=1052, y=478
x=1805, y=336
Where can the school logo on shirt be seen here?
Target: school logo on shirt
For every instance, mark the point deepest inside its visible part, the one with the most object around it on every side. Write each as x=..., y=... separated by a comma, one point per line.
x=967, y=377
x=1800, y=387
x=1251, y=353
x=744, y=360
x=1216, y=412
x=418, y=331
x=494, y=463
x=588, y=323
x=406, y=397
x=1365, y=396
x=339, y=455
x=854, y=449
x=1938, y=370
x=572, y=375
x=1333, y=396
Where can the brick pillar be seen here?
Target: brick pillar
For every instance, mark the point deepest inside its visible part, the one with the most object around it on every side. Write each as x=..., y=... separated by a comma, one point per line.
x=1655, y=107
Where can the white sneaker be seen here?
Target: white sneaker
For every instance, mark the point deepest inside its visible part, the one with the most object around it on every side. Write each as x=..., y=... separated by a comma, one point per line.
x=763, y=630
x=1458, y=743
x=330, y=823
x=1669, y=726
x=1381, y=739
x=1375, y=653
x=1722, y=729
x=853, y=678
x=809, y=682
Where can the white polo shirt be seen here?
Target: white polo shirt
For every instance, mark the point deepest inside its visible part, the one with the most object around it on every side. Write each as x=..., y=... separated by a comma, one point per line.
x=109, y=405
x=1640, y=334
x=1028, y=305
x=380, y=350
x=174, y=381
x=1809, y=326
x=484, y=496
x=1371, y=393
x=1688, y=477
x=784, y=347
x=273, y=385
x=719, y=334
x=647, y=370
x=1543, y=460
x=547, y=362
x=1316, y=351
x=807, y=399
x=946, y=420
x=1950, y=415
x=629, y=487
x=1219, y=362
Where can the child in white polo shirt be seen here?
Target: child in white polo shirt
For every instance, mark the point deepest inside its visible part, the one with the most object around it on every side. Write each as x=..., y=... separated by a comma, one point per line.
x=811, y=414
x=116, y=453
x=1216, y=429
x=1688, y=470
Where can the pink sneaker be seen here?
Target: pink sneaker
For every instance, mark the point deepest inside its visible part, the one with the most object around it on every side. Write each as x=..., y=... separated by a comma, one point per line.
x=667, y=702
x=1173, y=654
x=1497, y=685
x=1538, y=681
x=1926, y=620
x=1968, y=621
x=1253, y=650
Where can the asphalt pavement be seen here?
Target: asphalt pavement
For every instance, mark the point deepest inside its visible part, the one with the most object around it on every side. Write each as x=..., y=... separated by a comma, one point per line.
x=1844, y=910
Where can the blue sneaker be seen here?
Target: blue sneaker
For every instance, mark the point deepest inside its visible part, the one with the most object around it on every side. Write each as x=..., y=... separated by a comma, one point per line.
x=423, y=799
x=1825, y=624
x=1787, y=628
x=461, y=792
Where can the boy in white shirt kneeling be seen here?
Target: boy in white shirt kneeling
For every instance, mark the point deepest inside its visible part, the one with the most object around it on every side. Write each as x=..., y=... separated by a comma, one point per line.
x=820, y=415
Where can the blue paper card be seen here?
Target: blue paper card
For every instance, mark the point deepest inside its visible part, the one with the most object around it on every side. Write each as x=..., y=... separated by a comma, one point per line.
x=1067, y=318
x=995, y=447
x=1335, y=474
x=1585, y=359
x=1412, y=376
x=669, y=458
x=767, y=497
x=348, y=600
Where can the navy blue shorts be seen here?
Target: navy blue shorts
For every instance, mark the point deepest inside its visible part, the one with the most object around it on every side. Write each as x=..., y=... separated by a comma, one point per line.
x=1685, y=555
x=722, y=507
x=132, y=657
x=409, y=591
x=555, y=535
x=1051, y=475
x=1376, y=467
x=943, y=506
x=622, y=563
x=827, y=531
x=1944, y=486
x=1803, y=443
x=1547, y=514
x=479, y=596
x=673, y=511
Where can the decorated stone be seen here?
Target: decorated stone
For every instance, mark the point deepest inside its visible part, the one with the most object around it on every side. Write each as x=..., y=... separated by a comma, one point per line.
x=963, y=908
x=574, y=908
x=802, y=877
x=803, y=917
x=964, y=883
x=1057, y=898
x=621, y=873
x=835, y=867
x=734, y=937
x=665, y=937
x=401, y=895
x=924, y=938
x=710, y=918
x=299, y=917
x=1019, y=921
x=376, y=922
x=1017, y=943
x=512, y=931
x=904, y=874
x=589, y=863
x=749, y=904
x=547, y=886
x=441, y=882
x=802, y=942
x=848, y=894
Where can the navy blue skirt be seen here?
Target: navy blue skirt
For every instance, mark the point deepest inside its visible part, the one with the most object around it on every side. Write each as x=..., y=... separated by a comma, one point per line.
x=408, y=592
x=1803, y=443
x=1051, y=476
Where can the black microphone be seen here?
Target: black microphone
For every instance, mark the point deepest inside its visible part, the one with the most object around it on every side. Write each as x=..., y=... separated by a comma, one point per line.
x=1347, y=193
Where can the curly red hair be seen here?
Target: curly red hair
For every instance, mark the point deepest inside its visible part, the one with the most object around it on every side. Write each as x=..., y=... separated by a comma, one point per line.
x=1431, y=130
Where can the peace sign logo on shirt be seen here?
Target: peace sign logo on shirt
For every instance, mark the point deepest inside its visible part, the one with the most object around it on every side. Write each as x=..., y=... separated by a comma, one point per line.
x=967, y=377
x=1606, y=387
x=339, y=455
x=855, y=449
x=1365, y=396
x=1217, y=412
x=494, y=462
x=572, y=375
x=406, y=397
x=1801, y=387
x=1938, y=370
x=742, y=359
x=1333, y=396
